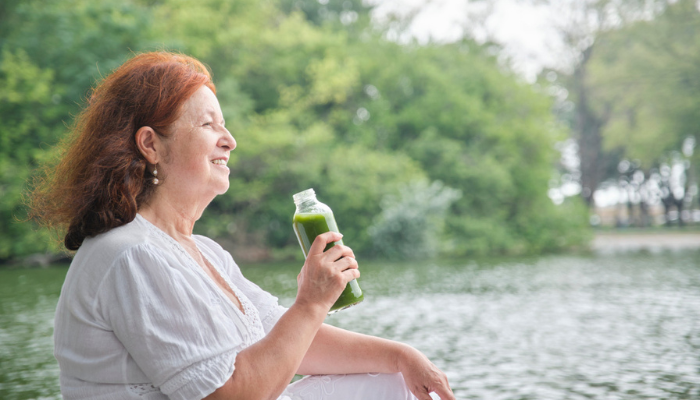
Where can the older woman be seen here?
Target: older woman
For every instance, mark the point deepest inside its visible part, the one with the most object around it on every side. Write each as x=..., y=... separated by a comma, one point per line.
x=149, y=310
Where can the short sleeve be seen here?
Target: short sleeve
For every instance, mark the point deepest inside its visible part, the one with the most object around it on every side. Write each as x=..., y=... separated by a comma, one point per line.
x=163, y=315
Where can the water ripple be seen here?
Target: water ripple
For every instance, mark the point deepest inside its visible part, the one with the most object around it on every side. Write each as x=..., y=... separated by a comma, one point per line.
x=615, y=327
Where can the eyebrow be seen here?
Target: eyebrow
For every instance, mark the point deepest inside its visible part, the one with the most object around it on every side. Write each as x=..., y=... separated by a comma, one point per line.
x=213, y=115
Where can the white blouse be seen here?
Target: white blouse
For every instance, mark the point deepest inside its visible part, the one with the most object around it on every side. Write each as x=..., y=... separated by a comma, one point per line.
x=138, y=318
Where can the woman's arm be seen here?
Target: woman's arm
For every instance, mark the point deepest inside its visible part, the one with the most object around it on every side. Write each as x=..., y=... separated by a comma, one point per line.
x=263, y=370
x=337, y=351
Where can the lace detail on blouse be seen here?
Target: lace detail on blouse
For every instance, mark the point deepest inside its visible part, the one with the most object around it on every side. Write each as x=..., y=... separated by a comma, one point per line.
x=250, y=317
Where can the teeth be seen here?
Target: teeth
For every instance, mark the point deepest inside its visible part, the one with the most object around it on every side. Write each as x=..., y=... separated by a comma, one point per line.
x=219, y=162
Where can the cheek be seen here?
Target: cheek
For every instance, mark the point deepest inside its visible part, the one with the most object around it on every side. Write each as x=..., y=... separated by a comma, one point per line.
x=184, y=163
x=188, y=156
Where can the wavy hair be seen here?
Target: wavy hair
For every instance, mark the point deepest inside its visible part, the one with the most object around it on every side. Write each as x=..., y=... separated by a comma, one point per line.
x=101, y=179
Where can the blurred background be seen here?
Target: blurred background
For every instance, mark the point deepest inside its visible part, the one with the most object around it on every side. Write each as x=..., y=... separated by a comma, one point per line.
x=519, y=177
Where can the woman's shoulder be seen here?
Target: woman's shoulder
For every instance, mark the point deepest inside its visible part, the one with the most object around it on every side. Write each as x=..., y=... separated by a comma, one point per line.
x=128, y=247
x=118, y=239
x=101, y=251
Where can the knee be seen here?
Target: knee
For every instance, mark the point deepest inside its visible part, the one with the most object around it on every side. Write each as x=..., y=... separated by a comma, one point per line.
x=382, y=386
x=350, y=387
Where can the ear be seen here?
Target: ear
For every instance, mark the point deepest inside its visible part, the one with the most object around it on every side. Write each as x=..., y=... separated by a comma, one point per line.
x=148, y=142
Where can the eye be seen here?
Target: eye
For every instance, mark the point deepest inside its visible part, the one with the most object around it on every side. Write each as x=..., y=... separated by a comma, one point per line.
x=207, y=123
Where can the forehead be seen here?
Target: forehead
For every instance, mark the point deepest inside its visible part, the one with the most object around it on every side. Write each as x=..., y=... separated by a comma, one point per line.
x=202, y=103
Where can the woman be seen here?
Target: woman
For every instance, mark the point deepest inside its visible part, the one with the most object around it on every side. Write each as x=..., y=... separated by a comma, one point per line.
x=149, y=310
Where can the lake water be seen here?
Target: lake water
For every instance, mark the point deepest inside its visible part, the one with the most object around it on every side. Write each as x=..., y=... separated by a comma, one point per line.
x=556, y=327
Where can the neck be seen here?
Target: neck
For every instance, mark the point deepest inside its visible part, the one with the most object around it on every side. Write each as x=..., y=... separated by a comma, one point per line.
x=172, y=214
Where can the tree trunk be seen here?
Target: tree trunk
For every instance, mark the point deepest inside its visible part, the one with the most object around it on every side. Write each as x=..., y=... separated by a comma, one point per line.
x=679, y=206
x=644, y=214
x=667, y=203
x=588, y=129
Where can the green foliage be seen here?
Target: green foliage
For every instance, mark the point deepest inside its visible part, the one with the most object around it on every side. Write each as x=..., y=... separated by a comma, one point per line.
x=411, y=224
x=26, y=106
x=51, y=54
x=472, y=128
x=315, y=99
x=80, y=40
x=649, y=72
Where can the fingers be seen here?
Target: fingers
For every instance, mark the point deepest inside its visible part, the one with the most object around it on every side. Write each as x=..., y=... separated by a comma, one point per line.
x=351, y=273
x=444, y=391
x=445, y=394
x=343, y=263
x=423, y=396
x=442, y=388
x=322, y=240
x=338, y=251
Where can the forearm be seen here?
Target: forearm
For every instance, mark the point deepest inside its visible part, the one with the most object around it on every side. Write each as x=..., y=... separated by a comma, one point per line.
x=263, y=370
x=337, y=351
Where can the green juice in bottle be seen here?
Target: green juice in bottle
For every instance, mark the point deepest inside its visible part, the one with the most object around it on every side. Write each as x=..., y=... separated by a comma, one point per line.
x=311, y=219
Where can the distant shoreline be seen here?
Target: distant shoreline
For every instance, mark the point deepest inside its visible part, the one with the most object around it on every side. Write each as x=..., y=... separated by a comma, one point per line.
x=654, y=241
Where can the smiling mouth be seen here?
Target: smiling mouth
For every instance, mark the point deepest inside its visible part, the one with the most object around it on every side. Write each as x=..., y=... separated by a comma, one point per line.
x=219, y=162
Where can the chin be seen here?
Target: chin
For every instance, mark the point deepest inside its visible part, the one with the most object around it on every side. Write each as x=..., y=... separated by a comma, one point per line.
x=223, y=189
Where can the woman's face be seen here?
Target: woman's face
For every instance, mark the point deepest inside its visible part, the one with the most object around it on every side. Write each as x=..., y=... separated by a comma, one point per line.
x=198, y=148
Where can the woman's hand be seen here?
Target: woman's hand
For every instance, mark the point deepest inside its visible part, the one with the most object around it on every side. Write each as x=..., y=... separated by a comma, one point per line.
x=422, y=376
x=325, y=274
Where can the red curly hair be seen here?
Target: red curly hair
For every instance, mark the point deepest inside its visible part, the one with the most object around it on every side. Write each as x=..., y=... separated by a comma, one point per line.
x=101, y=179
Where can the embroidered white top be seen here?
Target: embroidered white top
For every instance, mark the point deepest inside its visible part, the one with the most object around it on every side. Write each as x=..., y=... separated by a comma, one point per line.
x=139, y=319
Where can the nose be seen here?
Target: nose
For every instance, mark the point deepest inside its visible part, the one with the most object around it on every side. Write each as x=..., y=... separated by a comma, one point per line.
x=227, y=141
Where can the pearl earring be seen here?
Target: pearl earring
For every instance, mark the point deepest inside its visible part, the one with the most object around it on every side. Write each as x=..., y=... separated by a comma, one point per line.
x=155, y=175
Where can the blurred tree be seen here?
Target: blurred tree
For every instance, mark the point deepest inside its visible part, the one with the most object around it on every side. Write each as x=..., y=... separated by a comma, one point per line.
x=339, y=13
x=649, y=70
x=51, y=52
x=27, y=109
x=80, y=40
x=470, y=125
x=312, y=103
x=581, y=24
x=411, y=224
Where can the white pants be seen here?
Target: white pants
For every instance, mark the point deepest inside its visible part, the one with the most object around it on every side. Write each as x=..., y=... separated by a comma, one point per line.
x=349, y=387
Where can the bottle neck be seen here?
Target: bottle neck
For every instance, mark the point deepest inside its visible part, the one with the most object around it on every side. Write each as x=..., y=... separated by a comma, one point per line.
x=305, y=199
x=305, y=203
